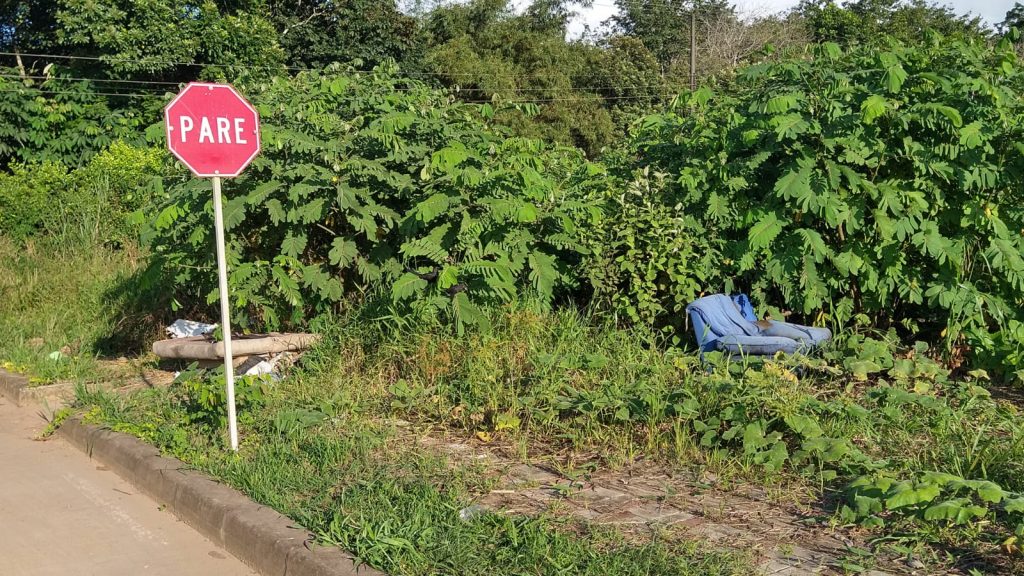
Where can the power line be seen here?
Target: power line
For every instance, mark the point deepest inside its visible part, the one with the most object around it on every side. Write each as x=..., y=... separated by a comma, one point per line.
x=580, y=98
x=83, y=79
x=108, y=60
x=584, y=97
x=411, y=74
x=86, y=92
x=652, y=91
x=142, y=85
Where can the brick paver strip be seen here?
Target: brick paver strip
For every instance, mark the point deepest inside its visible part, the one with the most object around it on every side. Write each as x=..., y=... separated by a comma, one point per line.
x=268, y=542
x=16, y=388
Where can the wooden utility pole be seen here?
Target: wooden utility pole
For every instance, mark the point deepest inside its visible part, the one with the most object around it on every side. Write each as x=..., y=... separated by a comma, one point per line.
x=21, y=65
x=693, y=47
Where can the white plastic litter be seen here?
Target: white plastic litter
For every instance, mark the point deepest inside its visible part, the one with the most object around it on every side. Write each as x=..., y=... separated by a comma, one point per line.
x=185, y=328
x=266, y=365
x=470, y=512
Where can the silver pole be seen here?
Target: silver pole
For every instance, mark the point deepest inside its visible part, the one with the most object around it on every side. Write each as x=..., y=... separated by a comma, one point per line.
x=225, y=312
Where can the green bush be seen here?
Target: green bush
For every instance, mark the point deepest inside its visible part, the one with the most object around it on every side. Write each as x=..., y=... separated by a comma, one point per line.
x=879, y=182
x=27, y=195
x=96, y=203
x=60, y=119
x=370, y=182
x=103, y=197
x=649, y=259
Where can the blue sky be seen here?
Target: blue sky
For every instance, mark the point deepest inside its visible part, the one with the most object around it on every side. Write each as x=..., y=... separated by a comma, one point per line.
x=992, y=11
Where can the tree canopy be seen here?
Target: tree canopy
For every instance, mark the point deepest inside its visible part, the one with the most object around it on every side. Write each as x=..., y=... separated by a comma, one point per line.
x=867, y=21
x=122, y=57
x=1014, y=17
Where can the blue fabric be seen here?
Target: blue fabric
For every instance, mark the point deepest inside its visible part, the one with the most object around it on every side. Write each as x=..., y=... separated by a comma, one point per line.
x=785, y=330
x=716, y=316
x=757, y=345
x=746, y=307
x=815, y=336
x=705, y=337
x=729, y=325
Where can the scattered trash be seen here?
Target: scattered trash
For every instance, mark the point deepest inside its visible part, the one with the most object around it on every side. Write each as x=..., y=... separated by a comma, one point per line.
x=272, y=365
x=266, y=365
x=470, y=512
x=254, y=354
x=185, y=328
x=56, y=356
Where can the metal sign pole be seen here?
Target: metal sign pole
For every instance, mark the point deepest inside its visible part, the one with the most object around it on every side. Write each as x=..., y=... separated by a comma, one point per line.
x=190, y=119
x=225, y=319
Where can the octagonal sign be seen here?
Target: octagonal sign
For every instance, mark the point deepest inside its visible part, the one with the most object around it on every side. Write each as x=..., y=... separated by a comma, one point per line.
x=212, y=130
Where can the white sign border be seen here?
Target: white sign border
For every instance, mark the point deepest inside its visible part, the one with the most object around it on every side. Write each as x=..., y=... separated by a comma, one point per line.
x=212, y=86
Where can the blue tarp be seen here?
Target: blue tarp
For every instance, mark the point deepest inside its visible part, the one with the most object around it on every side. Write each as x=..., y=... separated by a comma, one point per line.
x=730, y=325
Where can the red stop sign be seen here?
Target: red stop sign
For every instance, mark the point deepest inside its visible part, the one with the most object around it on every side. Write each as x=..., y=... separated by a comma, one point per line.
x=212, y=129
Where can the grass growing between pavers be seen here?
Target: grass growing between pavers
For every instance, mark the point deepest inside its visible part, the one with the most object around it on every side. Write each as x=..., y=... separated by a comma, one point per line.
x=60, y=304
x=927, y=461
x=358, y=485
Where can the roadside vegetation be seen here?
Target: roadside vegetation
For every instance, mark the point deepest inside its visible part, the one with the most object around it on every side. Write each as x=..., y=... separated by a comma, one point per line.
x=58, y=307
x=483, y=268
x=321, y=452
x=910, y=450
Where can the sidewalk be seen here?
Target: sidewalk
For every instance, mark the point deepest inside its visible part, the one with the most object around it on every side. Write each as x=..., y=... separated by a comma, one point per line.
x=64, y=514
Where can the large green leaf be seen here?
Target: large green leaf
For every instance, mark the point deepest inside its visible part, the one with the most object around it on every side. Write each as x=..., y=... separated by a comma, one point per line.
x=957, y=511
x=543, y=274
x=431, y=208
x=894, y=74
x=407, y=286
x=343, y=252
x=873, y=107
x=794, y=184
x=790, y=126
x=293, y=245
x=766, y=229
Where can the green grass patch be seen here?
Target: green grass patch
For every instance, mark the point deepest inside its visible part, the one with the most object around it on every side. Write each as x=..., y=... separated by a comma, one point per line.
x=355, y=483
x=574, y=384
x=887, y=437
x=60, y=304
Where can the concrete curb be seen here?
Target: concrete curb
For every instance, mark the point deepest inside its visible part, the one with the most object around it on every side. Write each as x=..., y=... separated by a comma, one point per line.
x=15, y=388
x=12, y=385
x=266, y=541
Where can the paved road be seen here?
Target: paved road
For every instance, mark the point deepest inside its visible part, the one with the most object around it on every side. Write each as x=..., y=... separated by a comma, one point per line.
x=62, y=514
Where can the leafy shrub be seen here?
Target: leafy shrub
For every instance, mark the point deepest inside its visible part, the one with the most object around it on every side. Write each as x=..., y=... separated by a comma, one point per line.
x=60, y=119
x=203, y=397
x=102, y=198
x=96, y=203
x=883, y=182
x=937, y=497
x=369, y=181
x=650, y=259
x=27, y=195
x=1000, y=351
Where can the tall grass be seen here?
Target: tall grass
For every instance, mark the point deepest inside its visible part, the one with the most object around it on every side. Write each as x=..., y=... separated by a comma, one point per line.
x=562, y=381
x=565, y=387
x=61, y=299
x=354, y=482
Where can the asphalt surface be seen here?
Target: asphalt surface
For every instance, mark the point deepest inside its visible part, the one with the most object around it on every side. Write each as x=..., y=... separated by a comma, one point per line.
x=64, y=514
